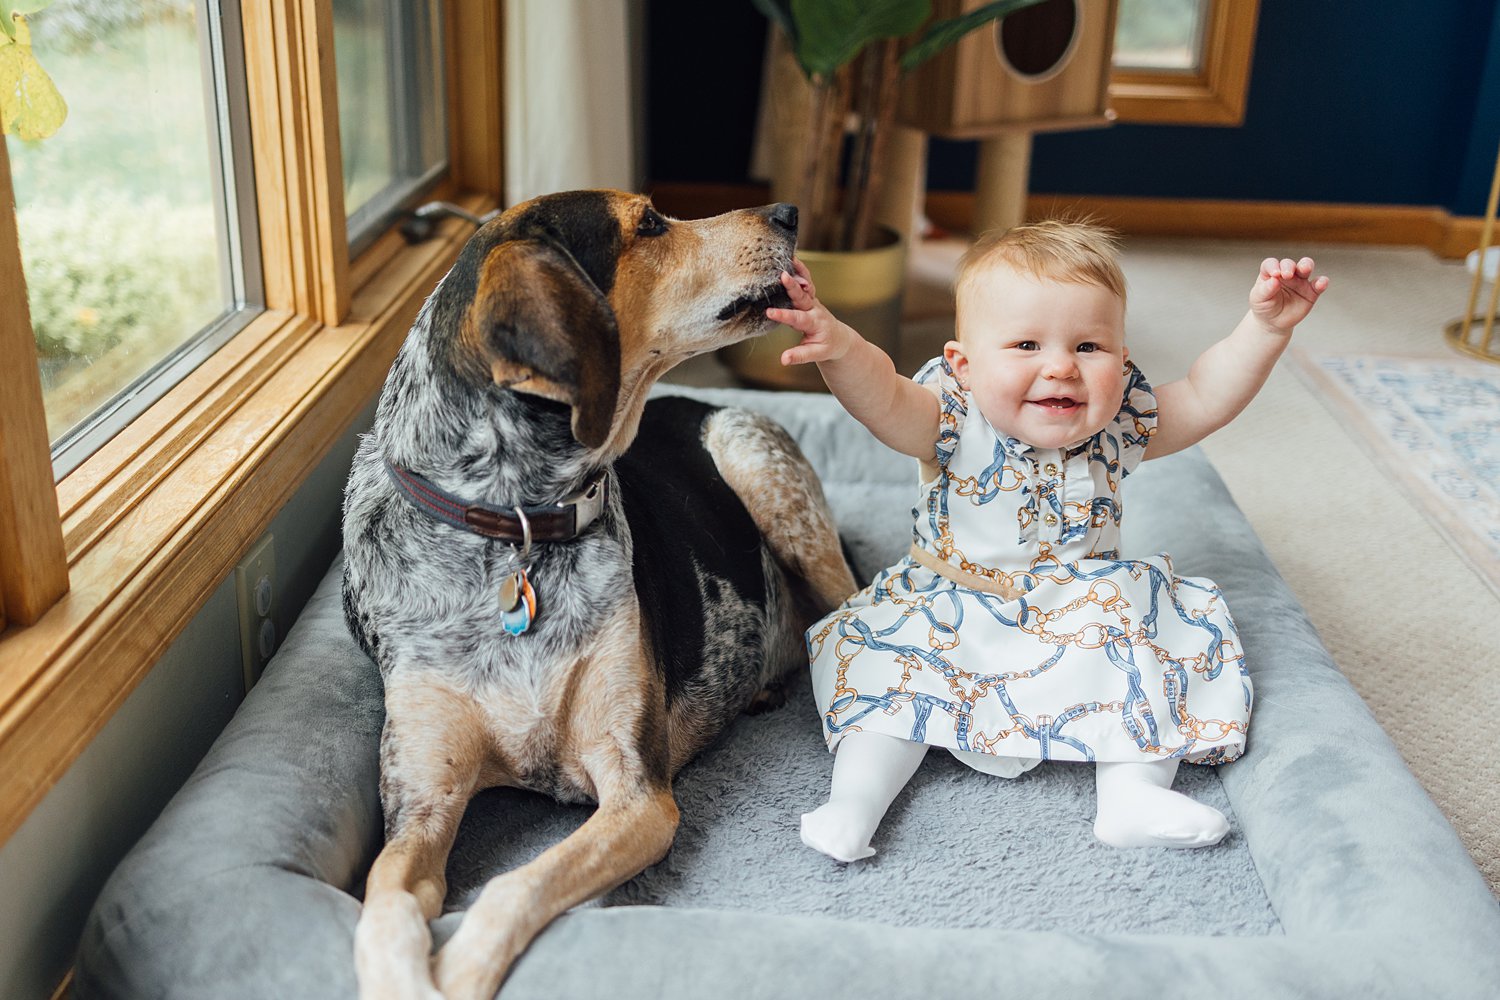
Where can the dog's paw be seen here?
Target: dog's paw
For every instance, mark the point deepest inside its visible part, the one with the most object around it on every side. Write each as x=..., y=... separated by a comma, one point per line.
x=773, y=695
x=391, y=949
x=465, y=973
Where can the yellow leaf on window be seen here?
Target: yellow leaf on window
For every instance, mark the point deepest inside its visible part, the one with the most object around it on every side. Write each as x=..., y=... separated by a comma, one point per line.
x=30, y=106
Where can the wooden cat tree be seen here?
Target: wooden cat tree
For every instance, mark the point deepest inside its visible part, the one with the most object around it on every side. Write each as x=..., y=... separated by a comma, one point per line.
x=1043, y=68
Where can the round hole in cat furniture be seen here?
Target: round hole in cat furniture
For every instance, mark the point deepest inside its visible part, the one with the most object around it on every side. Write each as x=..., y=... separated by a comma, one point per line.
x=1042, y=68
x=1037, y=43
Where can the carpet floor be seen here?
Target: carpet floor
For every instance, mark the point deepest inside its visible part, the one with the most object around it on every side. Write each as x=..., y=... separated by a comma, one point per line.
x=1402, y=611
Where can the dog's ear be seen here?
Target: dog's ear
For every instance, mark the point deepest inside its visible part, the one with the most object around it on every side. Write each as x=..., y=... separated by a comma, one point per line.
x=542, y=327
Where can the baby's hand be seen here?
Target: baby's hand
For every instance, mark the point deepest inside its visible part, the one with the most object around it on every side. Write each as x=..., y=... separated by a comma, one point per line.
x=824, y=338
x=1285, y=293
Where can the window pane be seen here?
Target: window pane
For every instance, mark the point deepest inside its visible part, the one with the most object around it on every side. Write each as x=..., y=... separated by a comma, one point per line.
x=362, y=55
x=392, y=108
x=122, y=215
x=1160, y=34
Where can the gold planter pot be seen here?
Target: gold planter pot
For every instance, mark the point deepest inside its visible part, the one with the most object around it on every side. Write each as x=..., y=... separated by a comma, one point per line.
x=860, y=287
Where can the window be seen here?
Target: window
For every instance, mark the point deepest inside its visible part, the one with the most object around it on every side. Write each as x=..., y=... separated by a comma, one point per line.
x=391, y=115
x=1184, y=62
x=139, y=259
x=140, y=533
x=1160, y=35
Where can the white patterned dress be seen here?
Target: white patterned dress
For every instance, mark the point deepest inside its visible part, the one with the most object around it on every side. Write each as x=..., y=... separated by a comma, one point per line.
x=1014, y=632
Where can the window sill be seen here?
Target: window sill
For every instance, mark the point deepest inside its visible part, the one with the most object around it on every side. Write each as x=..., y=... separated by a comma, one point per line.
x=155, y=520
x=1176, y=103
x=1214, y=95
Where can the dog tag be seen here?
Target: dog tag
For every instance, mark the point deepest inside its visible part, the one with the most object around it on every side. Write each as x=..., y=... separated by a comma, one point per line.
x=517, y=618
x=510, y=591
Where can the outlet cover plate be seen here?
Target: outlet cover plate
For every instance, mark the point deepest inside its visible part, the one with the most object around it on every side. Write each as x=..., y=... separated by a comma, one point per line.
x=258, y=565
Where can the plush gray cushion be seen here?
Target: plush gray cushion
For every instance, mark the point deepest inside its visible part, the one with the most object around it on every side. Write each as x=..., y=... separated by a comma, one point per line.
x=1339, y=877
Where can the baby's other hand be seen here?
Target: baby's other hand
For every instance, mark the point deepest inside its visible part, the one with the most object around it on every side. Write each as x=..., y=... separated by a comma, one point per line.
x=824, y=338
x=1285, y=292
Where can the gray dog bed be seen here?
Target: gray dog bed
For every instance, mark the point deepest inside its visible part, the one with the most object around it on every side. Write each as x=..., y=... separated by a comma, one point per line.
x=1339, y=877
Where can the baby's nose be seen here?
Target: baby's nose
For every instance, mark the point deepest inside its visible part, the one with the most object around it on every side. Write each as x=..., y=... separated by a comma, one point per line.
x=1060, y=366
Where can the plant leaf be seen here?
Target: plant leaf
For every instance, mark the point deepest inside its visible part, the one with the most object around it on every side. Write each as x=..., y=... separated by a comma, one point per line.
x=30, y=106
x=944, y=33
x=10, y=8
x=830, y=33
x=778, y=11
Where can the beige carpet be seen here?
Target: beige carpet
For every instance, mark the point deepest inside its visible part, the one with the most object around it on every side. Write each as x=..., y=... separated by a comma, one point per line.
x=1405, y=616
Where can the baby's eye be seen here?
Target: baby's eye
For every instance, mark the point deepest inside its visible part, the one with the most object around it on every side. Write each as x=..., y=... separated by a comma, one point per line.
x=1087, y=347
x=1026, y=345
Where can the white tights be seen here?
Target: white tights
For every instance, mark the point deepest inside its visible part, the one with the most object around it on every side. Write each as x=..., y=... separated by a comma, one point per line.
x=1136, y=804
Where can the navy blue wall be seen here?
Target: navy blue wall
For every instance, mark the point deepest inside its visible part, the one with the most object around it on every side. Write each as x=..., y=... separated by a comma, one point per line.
x=1381, y=103
x=1484, y=132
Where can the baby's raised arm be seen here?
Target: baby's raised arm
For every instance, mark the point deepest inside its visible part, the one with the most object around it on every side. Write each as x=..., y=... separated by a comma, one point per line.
x=1227, y=376
x=901, y=414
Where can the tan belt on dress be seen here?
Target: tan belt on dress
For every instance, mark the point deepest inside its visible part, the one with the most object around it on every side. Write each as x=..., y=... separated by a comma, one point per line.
x=964, y=578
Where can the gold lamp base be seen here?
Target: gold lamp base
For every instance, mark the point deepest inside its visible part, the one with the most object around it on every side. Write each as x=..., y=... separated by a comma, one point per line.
x=1460, y=335
x=1474, y=333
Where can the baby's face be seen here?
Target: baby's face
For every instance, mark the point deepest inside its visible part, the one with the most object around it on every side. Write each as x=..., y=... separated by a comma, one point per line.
x=1045, y=359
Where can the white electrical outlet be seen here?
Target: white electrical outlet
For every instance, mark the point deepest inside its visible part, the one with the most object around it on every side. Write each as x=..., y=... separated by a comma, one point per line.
x=255, y=593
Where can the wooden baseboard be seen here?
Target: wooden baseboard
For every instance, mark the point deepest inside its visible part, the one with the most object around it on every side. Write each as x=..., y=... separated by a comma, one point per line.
x=1461, y=236
x=1444, y=234
x=1302, y=222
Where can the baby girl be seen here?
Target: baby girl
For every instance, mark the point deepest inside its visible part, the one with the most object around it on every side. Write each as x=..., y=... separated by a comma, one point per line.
x=1015, y=631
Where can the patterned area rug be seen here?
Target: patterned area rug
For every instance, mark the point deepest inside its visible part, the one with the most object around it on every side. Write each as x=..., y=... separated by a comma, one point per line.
x=1434, y=426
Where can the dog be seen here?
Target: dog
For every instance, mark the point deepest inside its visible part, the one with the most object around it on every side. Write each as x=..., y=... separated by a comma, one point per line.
x=568, y=588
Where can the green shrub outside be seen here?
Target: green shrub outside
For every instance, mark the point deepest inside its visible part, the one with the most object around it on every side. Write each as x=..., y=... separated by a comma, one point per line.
x=99, y=272
x=116, y=219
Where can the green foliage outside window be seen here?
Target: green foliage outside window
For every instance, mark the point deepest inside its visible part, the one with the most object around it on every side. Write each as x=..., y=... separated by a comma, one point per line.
x=90, y=295
x=102, y=216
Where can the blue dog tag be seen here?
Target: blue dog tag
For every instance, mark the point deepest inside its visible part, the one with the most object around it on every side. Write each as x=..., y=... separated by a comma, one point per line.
x=521, y=598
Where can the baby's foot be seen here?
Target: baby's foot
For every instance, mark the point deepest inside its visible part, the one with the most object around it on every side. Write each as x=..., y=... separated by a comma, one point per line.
x=1135, y=811
x=1174, y=821
x=840, y=830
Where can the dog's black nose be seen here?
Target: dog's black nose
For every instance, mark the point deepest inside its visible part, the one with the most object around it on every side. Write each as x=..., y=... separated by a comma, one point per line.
x=785, y=216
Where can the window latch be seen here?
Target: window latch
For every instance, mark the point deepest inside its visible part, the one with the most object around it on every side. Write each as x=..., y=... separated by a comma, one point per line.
x=422, y=221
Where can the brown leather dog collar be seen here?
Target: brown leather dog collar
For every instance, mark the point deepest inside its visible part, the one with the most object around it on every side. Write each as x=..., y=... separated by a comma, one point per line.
x=517, y=525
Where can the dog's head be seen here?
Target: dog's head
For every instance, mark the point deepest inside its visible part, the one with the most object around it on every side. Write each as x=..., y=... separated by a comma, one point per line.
x=587, y=297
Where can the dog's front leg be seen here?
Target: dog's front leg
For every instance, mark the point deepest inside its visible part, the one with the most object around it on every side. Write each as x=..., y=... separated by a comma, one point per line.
x=432, y=750
x=632, y=829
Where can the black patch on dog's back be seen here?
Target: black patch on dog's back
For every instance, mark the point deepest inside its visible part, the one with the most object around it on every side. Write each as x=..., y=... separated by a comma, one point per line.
x=685, y=519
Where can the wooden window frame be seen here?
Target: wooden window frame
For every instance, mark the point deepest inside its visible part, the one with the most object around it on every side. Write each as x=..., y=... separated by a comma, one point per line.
x=143, y=531
x=1214, y=95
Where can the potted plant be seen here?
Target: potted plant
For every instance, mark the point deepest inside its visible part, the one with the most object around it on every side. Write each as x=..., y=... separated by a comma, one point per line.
x=852, y=54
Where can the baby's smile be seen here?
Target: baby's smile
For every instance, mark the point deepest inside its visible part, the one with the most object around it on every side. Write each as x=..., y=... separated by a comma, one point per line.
x=1056, y=404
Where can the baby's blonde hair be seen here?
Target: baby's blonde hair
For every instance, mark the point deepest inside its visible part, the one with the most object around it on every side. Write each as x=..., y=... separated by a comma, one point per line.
x=1075, y=250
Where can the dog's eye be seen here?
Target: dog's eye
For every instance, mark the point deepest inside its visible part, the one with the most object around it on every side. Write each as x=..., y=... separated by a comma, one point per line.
x=651, y=224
